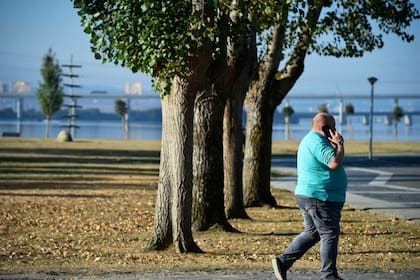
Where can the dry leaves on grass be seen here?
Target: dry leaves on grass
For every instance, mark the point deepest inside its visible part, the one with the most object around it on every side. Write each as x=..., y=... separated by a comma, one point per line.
x=79, y=209
x=58, y=226
x=96, y=231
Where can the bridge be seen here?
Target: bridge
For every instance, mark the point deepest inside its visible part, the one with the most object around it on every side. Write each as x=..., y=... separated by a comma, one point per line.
x=20, y=97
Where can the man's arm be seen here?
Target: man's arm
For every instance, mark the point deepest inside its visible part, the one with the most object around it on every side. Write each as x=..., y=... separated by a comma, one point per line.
x=339, y=156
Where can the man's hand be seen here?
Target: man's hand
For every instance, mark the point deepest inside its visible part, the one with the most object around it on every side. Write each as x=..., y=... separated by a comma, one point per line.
x=338, y=140
x=336, y=137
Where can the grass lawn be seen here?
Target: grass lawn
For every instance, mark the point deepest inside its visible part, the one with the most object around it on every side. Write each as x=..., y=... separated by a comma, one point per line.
x=87, y=207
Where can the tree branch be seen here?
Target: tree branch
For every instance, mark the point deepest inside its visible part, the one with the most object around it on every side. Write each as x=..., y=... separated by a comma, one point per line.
x=287, y=77
x=274, y=54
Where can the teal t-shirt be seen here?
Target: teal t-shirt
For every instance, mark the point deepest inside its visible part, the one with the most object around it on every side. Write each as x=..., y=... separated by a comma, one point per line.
x=315, y=178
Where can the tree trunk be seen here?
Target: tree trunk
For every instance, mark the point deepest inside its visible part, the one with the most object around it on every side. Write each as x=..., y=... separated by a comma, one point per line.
x=258, y=141
x=266, y=93
x=123, y=127
x=126, y=126
x=173, y=205
x=161, y=237
x=162, y=232
x=287, y=128
x=349, y=127
x=208, y=202
x=233, y=143
x=47, y=127
x=242, y=57
x=395, y=130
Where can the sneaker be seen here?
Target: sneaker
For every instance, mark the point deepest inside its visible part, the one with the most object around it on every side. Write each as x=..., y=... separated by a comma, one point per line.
x=279, y=270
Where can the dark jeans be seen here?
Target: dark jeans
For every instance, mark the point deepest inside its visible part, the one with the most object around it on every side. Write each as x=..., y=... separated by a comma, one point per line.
x=322, y=222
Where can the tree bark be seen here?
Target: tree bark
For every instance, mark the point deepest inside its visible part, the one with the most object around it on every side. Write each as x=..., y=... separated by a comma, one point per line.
x=208, y=201
x=258, y=141
x=162, y=231
x=233, y=143
x=260, y=110
x=173, y=205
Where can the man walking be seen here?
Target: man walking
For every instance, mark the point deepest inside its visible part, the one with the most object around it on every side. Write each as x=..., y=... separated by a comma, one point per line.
x=320, y=194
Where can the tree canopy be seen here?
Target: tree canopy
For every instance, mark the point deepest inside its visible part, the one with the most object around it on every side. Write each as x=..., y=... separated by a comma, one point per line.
x=120, y=108
x=397, y=113
x=288, y=110
x=349, y=109
x=156, y=37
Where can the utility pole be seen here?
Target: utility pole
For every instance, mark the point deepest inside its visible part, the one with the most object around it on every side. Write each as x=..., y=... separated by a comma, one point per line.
x=71, y=115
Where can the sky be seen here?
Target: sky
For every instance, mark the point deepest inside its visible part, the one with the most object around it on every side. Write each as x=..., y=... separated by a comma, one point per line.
x=28, y=28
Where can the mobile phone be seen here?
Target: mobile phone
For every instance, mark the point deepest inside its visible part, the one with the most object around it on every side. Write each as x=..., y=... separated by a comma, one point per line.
x=326, y=130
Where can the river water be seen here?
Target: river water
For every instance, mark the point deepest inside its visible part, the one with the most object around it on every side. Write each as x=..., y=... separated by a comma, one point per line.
x=153, y=130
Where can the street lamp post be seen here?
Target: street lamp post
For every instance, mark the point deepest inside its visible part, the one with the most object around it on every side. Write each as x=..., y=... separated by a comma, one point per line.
x=372, y=81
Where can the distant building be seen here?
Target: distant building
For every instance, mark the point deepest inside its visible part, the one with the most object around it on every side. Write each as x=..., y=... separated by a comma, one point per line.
x=20, y=87
x=3, y=87
x=133, y=88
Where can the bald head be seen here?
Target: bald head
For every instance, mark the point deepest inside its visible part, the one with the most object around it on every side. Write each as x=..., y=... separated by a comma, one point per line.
x=322, y=119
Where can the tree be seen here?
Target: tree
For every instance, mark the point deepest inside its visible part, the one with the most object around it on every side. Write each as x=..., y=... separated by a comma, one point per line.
x=200, y=65
x=174, y=42
x=349, y=113
x=233, y=132
x=291, y=37
x=323, y=108
x=341, y=28
x=200, y=53
x=50, y=93
x=287, y=112
x=397, y=113
x=221, y=147
x=121, y=109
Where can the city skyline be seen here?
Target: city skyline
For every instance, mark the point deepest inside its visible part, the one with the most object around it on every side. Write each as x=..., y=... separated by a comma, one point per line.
x=29, y=28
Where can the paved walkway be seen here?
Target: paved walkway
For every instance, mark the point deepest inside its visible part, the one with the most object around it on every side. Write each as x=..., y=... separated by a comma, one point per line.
x=361, y=275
